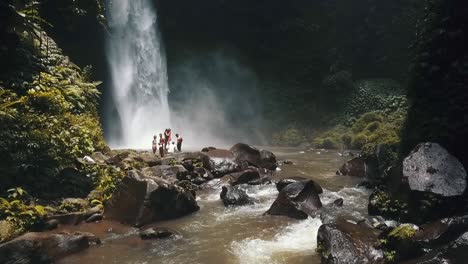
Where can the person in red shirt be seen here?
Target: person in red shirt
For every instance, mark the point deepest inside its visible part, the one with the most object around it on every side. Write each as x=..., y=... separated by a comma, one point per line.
x=167, y=137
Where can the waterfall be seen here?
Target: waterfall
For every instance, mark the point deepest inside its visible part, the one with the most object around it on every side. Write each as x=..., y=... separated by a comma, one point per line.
x=138, y=73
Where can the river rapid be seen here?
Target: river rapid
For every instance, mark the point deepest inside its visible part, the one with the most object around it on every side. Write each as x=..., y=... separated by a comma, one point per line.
x=216, y=234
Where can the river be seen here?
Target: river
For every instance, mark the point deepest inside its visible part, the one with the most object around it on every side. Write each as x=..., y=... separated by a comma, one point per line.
x=217, y=234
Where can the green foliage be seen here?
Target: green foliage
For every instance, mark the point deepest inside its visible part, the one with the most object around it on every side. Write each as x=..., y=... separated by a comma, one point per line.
x=388, y=206
x=17, y=210
x=390, y=256
x=289, y=137
x=335, y=138
x=105, y=179
x=366, y=119
x=402, y=232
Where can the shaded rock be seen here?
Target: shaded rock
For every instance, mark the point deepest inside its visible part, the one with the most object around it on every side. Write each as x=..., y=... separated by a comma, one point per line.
x=221, y=162
x=430, y=168
x=285, y=182
x=189, y=186
x=117, y=159
x=453, y=253
x=150, y=159
x=355, y=167
x=208, y=149
x=75, y=204
x=296, y=200
x=73, y=183
x=204, y=173
x=441, y=232
x=140, y=200
x=69, y=219
x=188, y=165
x=198, y=180
x=244, y=177
x=51, y=224
x=348, y=243
x=234, y=195
x=246, y=155
x=44, y=247
x=166, y=172
x=94, y=218
x=155, y=233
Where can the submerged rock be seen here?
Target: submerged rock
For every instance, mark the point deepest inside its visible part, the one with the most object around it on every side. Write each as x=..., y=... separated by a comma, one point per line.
x=430, y=168
x=348, y=243
x=234, y=195
x=44, y=247
x=140, y=200
x=297, y=200
x=355, y=167
x=155, y=233
x=285, y=182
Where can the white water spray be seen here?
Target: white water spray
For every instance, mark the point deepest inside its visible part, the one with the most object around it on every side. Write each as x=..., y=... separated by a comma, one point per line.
x=139, y=74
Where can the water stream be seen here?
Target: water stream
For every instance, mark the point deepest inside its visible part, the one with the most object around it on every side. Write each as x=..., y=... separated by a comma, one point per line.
x=217, y=234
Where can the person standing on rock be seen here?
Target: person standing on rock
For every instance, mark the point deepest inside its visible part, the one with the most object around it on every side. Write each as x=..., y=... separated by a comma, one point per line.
x=161, y=145
x=179, y=142
x=155, y=144
x=167, y=137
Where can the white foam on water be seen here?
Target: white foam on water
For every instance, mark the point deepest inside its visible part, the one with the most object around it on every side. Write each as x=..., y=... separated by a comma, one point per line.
x=296, y=238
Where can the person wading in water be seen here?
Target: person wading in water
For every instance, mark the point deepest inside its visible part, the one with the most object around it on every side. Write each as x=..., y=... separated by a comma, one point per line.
x=179, y=142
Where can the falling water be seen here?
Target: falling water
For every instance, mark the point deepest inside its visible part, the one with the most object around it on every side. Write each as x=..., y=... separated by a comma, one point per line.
x=138, y=71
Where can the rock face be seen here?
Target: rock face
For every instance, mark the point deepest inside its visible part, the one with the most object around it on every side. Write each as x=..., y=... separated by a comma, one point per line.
x=355, y=167
x=285, y=182
x=166, y=172
x=297, y=200
x=430, y=168
x=44, y=247
x=234, y=195
x=246, y=155
x=141, y=200
x=453, y=253
x=347, y=243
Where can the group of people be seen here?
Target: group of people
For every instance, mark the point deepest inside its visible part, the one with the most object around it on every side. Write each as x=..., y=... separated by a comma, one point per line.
x=165, y=143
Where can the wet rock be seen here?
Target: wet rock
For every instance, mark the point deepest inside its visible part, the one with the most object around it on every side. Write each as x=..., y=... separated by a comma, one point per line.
x=338, y=202
x=297, y=200
x=44, y=247
x=221, y=162
x=94, y=218
x=155, y=233
x=261, y=181
x=453, y=253
x=441, y=231
x=355, y=167
x=189, y=186
x=244, y=177
x=188, y=165
x=285, y=182
x=198, y=180
x=347, y=243
x=140, y=200
x=234, y=195
x=267, y=160
x=51, y=224
x=248, y=156
x=430, y=168
x=208, y=149
x=204, y=173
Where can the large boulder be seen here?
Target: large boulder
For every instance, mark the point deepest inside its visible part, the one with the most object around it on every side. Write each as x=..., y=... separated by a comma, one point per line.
x=166, y=172
x=44, y=247
x=355, y=167
x=140, y=200
x=248, y=156
x=242, y=177
x=297, y=200
x=221, y=162
x=430, y=168
x=348, y=243
x=234, y=195
x=452, y=253
x=286, y=181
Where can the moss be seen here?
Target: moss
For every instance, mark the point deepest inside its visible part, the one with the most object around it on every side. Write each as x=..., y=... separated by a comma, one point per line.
x=402, y=232
x=361, y=124
x=8, y=231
